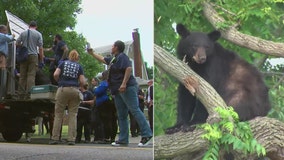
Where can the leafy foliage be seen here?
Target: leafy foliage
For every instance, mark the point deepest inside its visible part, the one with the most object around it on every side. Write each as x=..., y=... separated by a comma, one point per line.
x=276, y=90
x=150, y=71
x=164, y=118
x=54, y=17
x=230, y=134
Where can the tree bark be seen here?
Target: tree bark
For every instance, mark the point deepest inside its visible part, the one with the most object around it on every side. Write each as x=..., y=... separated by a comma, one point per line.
x=233, y=35
x=267, y=131
x=200, y=88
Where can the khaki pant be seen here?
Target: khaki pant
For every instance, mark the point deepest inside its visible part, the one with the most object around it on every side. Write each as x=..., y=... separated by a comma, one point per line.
x=3, y=76
x=2, y=61
x=70, y=97
x=28, y=72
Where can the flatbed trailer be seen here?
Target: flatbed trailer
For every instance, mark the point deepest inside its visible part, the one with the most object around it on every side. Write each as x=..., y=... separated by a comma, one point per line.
x=17, y=116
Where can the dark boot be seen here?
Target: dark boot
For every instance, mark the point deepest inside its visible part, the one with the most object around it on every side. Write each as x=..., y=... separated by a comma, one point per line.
x=3, y=83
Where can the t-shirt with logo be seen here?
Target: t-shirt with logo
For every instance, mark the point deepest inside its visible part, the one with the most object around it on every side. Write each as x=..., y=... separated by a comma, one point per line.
x=69, y=75
x=117, y=71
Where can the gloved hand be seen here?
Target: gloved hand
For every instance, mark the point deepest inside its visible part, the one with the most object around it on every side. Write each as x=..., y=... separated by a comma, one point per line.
x=46, y=60
x=40, y=65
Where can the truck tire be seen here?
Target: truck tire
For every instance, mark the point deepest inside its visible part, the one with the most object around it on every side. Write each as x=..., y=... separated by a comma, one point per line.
x=12, y=135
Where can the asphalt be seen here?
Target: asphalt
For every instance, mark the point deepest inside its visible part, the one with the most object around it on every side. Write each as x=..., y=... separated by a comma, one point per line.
x=36, y=139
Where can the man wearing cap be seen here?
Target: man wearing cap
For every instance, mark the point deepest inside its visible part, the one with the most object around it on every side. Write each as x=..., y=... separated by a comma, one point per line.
x=32, y=39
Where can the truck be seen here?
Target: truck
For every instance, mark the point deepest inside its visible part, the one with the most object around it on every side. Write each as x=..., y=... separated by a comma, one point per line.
x=17, y=113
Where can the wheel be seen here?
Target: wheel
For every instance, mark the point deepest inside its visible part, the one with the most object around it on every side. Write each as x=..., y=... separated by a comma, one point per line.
x=12, y=135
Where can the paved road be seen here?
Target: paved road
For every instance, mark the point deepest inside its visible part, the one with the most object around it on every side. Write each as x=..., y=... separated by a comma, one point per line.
x=39, y=149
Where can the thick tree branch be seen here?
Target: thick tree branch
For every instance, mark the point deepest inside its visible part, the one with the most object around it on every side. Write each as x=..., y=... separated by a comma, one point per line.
x=240, y=39
x=181, y=71
x=268, y=132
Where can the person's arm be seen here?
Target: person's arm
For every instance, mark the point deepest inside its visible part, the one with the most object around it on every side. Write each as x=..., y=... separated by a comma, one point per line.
x=89, y=102
x=127, y=74
x=65, y=52
x=96, y=56
x=19, y=41
x=41, y=55
x=40, y=48
x=56, y=74
x=82, y=80
x=8, y=37
x=47, y=49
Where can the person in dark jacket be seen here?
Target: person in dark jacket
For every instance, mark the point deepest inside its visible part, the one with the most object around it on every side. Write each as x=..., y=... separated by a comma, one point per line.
x=84, y=115
x=134, y=127
x=106, y=110
x=150, y=102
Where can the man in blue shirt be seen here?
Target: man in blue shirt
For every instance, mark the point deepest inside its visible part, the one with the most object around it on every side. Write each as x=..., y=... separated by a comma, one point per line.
x=124, y=87
x=4, y=39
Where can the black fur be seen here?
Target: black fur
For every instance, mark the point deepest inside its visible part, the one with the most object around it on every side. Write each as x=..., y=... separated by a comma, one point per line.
x=239, y=83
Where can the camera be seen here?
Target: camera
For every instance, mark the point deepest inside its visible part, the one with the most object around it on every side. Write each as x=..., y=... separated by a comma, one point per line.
x=88, y=46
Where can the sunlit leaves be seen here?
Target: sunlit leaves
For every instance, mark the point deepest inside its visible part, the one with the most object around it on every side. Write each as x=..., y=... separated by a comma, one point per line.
x=230, y=133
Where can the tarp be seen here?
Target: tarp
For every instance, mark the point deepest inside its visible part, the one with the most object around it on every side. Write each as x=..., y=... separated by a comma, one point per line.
x=16, y=25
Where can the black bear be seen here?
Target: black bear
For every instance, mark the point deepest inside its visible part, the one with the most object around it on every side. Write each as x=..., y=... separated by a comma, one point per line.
x=239, y=83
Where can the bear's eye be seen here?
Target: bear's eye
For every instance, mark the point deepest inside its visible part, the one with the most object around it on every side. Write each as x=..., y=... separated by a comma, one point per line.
x=194, y=47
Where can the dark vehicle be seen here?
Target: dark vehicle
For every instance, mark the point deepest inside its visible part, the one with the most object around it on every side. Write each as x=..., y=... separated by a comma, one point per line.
x=17, y=113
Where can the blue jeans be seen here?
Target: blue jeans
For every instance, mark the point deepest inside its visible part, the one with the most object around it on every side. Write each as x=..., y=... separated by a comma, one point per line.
x=128, y=101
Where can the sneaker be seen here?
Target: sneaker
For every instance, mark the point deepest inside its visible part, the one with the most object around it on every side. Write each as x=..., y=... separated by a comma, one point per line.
x=53, y=142
x=144, y=141
x=117, y=143
x=71, y=143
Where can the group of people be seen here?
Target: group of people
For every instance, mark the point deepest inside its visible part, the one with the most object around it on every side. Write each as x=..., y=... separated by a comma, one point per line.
x=97, y=113
x=124, y=87
x=72, y=93
x=117, y=96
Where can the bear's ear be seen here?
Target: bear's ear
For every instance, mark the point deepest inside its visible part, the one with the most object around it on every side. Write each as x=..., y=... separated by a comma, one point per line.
x=182, y=31
x=214, y=35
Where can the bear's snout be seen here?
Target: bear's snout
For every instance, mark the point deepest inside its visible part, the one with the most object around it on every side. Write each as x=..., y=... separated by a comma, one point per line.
x=200, y=56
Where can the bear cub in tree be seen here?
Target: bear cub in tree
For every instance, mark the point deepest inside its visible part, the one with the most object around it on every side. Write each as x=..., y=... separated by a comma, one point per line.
x=239, y=83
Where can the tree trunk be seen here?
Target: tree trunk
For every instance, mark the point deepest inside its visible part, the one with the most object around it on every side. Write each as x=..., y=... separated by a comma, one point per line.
x=267, y=131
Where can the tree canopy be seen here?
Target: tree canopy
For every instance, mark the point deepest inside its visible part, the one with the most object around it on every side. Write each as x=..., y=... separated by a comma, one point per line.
x=54, y=17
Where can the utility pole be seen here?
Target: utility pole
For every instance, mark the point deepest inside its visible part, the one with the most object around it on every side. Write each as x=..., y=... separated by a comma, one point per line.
x=137, y=53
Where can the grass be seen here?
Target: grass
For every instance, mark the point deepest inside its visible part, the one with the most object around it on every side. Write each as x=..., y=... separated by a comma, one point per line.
x=36, y=135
